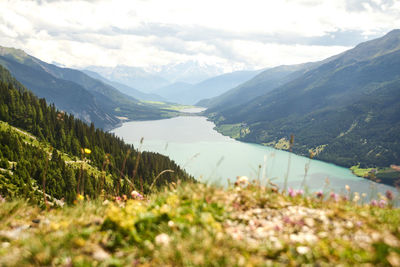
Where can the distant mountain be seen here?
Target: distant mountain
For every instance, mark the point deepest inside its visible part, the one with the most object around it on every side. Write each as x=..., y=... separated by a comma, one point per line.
x=347, y=109
x=133, y=77
x=75, y=92
x=262, y=83
x=191, y=71
x=185, y=93
x=124, y=88
x=176, y=92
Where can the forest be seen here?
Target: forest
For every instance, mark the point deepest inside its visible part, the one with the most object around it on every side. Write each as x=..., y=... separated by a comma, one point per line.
x=120, y=167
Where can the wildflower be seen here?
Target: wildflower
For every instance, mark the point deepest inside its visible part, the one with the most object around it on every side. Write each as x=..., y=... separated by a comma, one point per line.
x=374, y=203
x=2, y=199
x=118, y=199
x=162, y=239
x=302, y=250
x=347, y=187
x=356, y=197
x=124, y=197
x=319, y=194
x=80, y=197
x=136, y=195
x=334, y=196
x=242, y=181
x=87, y=151
x=389, y=195
x=363, y=195
x=292, y=192
x=382, y=203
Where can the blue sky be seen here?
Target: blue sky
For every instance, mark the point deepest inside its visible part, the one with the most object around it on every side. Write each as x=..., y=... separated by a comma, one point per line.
x=228, y=33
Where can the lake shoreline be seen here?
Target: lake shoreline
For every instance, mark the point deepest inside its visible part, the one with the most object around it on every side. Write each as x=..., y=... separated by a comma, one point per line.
x=194, y=144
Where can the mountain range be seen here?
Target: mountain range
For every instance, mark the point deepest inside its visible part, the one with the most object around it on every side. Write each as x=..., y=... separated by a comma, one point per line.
x=185, y=93
x=345, y=108
x=75, y=92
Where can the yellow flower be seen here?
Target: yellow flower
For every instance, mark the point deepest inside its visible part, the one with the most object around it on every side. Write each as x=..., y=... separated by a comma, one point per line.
x=87, y=151
x=80, y=197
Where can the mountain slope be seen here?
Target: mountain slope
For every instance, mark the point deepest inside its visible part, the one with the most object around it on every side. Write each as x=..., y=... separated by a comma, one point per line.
x=131, y=76
x=262, y=83
x=185, y=93
x=75, y=92
x=347, y=108
x=66, y=95
x=46, y=151
x=176, y=92
x=125, y=89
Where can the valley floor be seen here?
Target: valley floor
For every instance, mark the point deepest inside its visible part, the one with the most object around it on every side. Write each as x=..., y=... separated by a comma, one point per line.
x=196, y=224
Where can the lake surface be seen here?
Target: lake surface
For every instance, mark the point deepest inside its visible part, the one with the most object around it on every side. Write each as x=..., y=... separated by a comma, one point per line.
x=211, y=157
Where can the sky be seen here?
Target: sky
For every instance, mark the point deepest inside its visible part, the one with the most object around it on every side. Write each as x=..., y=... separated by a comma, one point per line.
x=231, y=34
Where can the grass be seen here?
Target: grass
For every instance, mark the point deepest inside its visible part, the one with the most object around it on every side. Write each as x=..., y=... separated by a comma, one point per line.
x=233, y=130
x=361, y=172
x=201, y=225
x=168, y=106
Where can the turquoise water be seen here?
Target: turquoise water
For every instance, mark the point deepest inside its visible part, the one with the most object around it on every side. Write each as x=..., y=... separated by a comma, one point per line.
x=211, y=157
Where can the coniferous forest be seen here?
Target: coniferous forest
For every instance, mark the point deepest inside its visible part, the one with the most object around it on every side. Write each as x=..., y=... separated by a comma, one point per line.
x=28, y=169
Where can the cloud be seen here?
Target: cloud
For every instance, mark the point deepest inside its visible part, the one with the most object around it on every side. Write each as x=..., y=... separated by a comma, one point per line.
x=235, y=34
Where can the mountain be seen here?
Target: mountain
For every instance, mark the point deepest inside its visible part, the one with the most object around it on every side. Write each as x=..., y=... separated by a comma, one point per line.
x=176, y=92
x=133, y=77
x=67, y=95
x=185, y=93
x=44, y=154
x=262, y=83
x=75, y=92
x=125, y=89
x=347, y=109
x=191, y=71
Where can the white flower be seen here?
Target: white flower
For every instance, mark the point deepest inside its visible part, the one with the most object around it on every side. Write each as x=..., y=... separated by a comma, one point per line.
x=302, y=250
x=162, y=239
x=242, y=181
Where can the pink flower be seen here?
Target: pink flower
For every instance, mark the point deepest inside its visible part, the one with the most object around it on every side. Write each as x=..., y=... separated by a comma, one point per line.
x=319, y=194
x=118, y=199
x=382, y=203
x=334, y=196
x=293, y=193
x=374, y=203
x=136, y=195
x=389, y=195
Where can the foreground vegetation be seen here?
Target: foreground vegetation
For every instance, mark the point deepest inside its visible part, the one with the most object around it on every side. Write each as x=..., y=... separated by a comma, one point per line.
x=196, y=224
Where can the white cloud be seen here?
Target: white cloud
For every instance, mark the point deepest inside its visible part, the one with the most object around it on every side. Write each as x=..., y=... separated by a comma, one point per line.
x=233, y=33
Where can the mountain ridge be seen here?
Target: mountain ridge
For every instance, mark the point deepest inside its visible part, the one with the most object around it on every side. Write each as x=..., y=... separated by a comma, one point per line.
x=329, y=107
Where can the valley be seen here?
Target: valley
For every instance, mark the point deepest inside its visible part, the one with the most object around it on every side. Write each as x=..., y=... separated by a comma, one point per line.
x=199, y=133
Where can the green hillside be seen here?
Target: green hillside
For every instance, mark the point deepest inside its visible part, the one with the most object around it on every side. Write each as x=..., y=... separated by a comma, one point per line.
x=53, y=152
x=262, y=83
x=75, y=92
x=346, y=110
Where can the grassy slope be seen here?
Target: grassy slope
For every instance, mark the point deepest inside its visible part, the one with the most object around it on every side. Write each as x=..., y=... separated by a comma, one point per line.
x=195, y=224
x=70, y=160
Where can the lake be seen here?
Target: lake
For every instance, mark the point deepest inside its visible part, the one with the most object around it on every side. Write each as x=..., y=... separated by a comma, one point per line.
x=211, y=157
